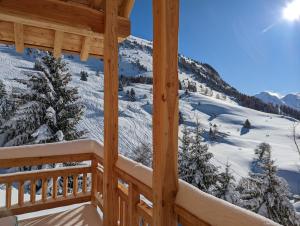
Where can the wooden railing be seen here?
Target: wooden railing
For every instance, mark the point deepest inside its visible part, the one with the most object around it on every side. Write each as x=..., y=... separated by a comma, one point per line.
x=69, y=185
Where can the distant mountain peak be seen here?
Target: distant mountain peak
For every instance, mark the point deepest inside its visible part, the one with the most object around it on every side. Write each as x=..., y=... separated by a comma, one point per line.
x=291, y=100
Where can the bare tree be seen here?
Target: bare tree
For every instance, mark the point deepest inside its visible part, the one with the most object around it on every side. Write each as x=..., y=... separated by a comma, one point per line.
x=295, y=136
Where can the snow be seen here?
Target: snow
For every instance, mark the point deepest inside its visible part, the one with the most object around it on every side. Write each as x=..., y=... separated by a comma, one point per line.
x=135, y=119
x=216, y=211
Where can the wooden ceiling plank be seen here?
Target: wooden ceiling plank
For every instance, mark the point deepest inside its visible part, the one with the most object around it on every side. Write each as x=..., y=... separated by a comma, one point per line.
x=126, y=8
x=19, y=37
x=86, y=44
x=60, y=15
x=58, y=42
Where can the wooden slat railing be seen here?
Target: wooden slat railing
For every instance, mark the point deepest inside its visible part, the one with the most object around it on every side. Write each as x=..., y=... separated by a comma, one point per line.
x=80, y=184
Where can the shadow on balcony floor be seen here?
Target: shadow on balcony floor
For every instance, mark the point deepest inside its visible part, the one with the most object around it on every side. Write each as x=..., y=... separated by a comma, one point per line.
x=86, y=215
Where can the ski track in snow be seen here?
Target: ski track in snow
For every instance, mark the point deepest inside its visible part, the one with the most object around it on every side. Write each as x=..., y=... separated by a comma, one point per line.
x=135, y=117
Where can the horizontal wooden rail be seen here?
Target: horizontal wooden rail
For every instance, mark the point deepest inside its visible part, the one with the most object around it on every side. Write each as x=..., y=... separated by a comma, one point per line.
x=43, y=174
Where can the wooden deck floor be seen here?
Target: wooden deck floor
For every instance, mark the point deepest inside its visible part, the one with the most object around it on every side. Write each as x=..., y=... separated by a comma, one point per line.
x=86, y=215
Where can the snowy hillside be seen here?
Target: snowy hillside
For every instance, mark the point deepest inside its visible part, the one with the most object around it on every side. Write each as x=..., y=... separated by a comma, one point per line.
x=291, y=100
x=207, y=105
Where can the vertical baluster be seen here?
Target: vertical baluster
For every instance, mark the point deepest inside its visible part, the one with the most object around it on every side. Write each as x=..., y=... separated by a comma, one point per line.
x=100, y=182
x=121, y=211
x=65, y=189
x=133, y=199
x=54, y=195
x=44, y=189
x=21, y=193
x=8, y=195
x=32, y=191
x=84, y=182
x=126, y=214
x=75, y=184
x=94, y=180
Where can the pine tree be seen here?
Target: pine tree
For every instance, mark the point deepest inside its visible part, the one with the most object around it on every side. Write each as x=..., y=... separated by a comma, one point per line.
x=247, y=124
x=143, y=154
x=84, y=76
x=183, y=158
x=2, y=90
x=266, y=193
x=226, y=188
x=48, y=109
x=204, y=174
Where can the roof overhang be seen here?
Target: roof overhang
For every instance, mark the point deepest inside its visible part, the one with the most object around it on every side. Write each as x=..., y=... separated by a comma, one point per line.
x=60, y=26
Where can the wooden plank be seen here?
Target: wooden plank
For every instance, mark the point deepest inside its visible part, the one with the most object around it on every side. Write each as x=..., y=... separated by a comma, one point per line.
x=85, y=49
x=126, y=8
x=60, y=15
x=21, y=193
x=134, y=199
x=94, y=181
x=65, y=186
x=58, y=42
x=187, y=219
x=32, y=191
x=84, y=183
x=165, y=111
x=44, y=174
x=16, y=162
x=75, y=185
x=111, y=80
x=44, y=189
x=54, y=194
x=43, y=39
x=50, y=203
x=19, y=37
x=8, y=195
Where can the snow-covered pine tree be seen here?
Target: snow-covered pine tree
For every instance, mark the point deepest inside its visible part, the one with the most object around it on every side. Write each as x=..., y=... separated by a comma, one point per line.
x=226, y=188
x=2, y=90
x=266, y=193
x=49, y=110
x=247, y=124
x=142, y=154
x=203, y=173
x=183, y=158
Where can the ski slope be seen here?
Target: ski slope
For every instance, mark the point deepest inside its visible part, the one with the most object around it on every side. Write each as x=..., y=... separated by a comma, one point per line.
x=235, y=145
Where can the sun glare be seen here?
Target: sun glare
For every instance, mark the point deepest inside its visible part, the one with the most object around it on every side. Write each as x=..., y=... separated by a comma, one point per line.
x=292, y=11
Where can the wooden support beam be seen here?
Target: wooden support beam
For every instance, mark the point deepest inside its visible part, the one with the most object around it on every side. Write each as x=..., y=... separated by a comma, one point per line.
x=85, y=49
x=96, y=4
x=60, y=15
x=58, y=43
x=165, y=111
x=111, y=80
x=126, y=8
x=19, y=37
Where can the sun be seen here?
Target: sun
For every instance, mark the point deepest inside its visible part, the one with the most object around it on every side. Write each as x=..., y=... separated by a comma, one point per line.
x=292, y=11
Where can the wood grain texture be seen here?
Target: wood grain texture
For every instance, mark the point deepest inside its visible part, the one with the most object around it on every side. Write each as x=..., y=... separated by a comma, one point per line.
x=19, y=37
x=58, y=42
x=85, y=49
x=111, y=84
x=165, y=111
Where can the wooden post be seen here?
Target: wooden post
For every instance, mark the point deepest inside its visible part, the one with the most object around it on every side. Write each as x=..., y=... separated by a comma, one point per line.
x=165, y=111
x=111, y=84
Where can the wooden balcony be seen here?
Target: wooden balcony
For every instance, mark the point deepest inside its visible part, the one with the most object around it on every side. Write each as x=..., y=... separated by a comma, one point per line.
x=134, y=191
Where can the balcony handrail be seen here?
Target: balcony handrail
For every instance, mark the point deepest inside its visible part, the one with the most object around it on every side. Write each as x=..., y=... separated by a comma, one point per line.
x=192, y=205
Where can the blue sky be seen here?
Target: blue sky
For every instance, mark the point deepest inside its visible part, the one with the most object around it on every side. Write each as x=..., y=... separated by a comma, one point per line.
x=247, y=41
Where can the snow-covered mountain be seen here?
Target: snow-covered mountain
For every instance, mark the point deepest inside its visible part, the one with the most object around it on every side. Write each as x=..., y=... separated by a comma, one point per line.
x=291, y=100
x=210, y=104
